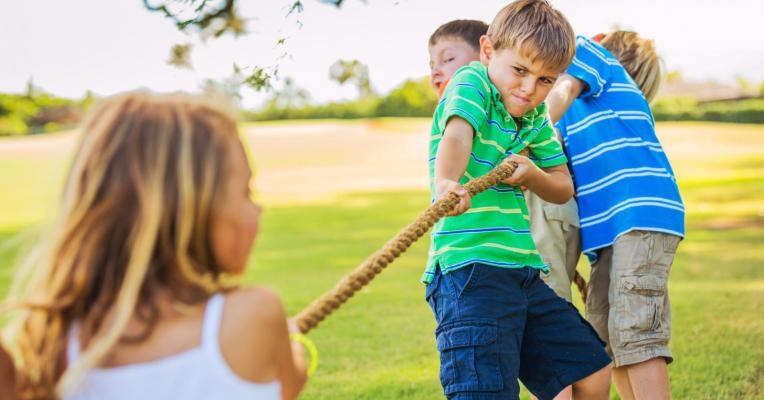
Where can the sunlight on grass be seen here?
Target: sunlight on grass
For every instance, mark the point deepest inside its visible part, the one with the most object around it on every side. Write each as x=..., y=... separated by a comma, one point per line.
x=380, y=345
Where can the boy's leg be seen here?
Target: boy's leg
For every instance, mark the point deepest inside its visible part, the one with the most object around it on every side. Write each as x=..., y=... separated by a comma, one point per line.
x=598, y=311
x=481, y=315
x=639, y=323
x=560, y=348
x=646, y=380
x=597, y=308
x=554, y=228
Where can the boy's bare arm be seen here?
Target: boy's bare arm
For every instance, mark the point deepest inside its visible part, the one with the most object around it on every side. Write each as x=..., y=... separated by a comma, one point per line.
x=559, y=99
x=451, y=162
x=552, y=184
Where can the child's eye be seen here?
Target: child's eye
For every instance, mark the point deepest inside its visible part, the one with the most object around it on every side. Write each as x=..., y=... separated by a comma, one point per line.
x=519, y=70
x=547, y=81
x=450, y=59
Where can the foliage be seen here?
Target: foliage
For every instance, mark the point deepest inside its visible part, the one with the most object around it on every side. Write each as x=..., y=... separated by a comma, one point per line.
x=361, y=108
x=353, y=71
x=684, y=109
x=413, y=98
x=211, y=19
x=37, y=112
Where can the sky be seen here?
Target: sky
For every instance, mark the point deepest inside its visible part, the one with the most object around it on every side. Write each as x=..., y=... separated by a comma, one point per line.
x=68, y=47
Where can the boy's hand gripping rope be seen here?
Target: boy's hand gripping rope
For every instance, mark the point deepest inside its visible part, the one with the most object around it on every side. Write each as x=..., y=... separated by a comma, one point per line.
x=311, y=316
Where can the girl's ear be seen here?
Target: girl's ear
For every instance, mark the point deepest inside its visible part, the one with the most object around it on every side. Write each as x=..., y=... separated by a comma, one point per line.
x=486, y=49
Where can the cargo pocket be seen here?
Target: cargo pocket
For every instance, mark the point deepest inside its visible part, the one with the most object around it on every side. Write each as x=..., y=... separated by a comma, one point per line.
x=469, y=357
x=666, y=257
x=641, y=309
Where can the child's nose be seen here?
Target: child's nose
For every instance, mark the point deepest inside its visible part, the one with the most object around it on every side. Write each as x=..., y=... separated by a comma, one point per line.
x=528, y=85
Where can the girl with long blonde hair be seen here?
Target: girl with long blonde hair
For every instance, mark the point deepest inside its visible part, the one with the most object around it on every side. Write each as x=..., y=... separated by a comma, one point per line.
x=130, y=295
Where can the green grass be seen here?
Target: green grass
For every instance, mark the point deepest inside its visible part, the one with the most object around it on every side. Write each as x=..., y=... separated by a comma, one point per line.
x=380, y=345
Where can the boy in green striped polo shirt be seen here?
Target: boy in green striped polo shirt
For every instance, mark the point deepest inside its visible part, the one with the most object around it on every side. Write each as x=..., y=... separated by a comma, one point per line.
x=497, y=321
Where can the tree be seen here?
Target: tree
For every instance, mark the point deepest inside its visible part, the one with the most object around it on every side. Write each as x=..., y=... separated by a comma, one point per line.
x=353, y=71
x=413, y=98
x=213, y=18
x=744, y=84
x=227, y=89
x=289, y=97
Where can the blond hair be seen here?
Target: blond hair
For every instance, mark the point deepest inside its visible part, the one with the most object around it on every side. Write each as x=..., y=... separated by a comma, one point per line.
x=637, y=55
x=537, y=29
x=135, y=219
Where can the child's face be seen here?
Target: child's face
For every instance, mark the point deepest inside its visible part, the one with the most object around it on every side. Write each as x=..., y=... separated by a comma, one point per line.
x=523, y=83
x=447, y=56
x=237, y=218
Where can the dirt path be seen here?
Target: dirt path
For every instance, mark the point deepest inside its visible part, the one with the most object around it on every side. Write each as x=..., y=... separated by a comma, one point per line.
x=303, y=165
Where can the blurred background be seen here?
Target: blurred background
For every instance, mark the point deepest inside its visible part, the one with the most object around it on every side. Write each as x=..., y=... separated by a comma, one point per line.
x=335, y=105
x=355, y=59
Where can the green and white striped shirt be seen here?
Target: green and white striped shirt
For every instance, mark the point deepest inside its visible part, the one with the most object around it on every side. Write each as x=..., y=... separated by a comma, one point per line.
x=495, y=231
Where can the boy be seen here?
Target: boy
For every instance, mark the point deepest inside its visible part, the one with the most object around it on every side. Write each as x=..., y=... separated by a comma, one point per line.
x=632, y=217
x=554, y=227
x=497, y=321
x=452, y=46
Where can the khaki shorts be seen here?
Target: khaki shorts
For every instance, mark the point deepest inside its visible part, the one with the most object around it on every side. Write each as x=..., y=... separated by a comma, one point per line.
x=555, y=232
x=628, y=302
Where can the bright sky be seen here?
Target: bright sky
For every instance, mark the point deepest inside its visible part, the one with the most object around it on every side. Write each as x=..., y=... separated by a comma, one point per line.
x=111, y=46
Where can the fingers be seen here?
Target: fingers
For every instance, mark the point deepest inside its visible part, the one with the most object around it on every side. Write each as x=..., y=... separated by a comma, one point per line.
x=465, y=201
x=292, y=324
x=513, y=180
x=518, y=158
x=464, y=204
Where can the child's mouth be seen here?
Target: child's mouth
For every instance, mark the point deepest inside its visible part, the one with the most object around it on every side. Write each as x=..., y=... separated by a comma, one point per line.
x=520, y=99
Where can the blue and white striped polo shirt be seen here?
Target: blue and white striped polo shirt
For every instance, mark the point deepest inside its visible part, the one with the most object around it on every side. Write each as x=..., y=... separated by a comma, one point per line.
x=623, y=179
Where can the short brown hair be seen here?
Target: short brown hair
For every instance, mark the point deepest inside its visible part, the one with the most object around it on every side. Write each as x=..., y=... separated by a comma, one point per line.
x=469, y=30
x=534, y=25
x=637, y=55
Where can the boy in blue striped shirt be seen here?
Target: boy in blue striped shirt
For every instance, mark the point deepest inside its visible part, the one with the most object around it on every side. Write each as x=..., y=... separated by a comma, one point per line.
x=631, y=213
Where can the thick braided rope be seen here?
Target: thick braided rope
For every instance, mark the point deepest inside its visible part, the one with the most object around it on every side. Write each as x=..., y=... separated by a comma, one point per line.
x=581, y=285
x=312, y=315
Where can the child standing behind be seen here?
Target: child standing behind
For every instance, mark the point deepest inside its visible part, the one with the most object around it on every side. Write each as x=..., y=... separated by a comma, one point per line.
x=632, y=217
x=452, y=46
x=497, y=321
x=127, y=298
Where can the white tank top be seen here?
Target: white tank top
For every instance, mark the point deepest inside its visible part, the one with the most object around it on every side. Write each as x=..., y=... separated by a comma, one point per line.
x=198, y=373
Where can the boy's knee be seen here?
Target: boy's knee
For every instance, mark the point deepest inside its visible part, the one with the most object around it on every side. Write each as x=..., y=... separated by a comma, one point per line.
x=594, y=386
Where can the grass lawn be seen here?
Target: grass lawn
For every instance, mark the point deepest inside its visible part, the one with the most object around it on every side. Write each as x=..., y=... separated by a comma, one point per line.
x=380, y=345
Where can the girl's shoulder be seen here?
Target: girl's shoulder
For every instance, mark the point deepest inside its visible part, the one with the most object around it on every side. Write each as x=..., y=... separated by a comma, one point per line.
x=254, y=302
x=252, y=311
x=253, y=324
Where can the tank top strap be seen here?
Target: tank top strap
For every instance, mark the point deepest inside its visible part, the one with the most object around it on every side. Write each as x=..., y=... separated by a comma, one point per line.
x=213, y=315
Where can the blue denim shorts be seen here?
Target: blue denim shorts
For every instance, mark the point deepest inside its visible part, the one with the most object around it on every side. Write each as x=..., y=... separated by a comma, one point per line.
x=498, y=325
